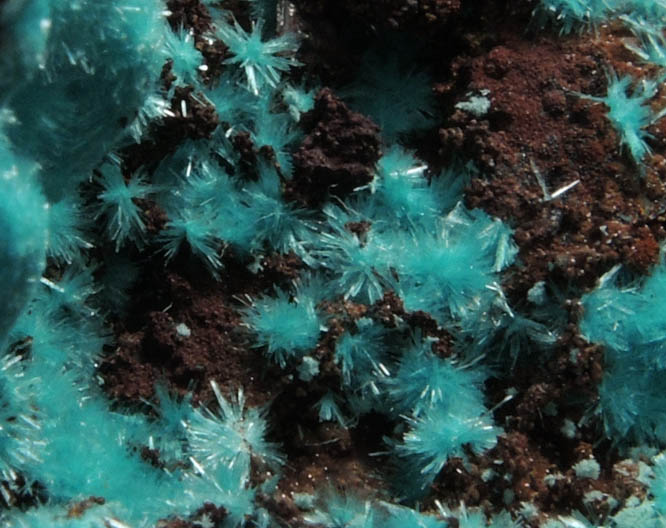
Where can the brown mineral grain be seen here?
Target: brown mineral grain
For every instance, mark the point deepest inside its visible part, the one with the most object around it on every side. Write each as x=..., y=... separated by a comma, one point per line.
x=338, y=154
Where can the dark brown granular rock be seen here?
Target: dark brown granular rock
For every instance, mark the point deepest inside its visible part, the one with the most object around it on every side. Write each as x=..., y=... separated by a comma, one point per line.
x=192, y=117
x=197, y=117
x=215, y=53
x=539, y=133
x=336, y=34
x=281, y=269
x=390, y=312
x=189, y=14
x=167, y=77
x=247, y=154
x=519, y=469
x=524, y=463
x=154, y=217
x=338, y=154
x=184, y=329
x=384, y=14
x=461, y=482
